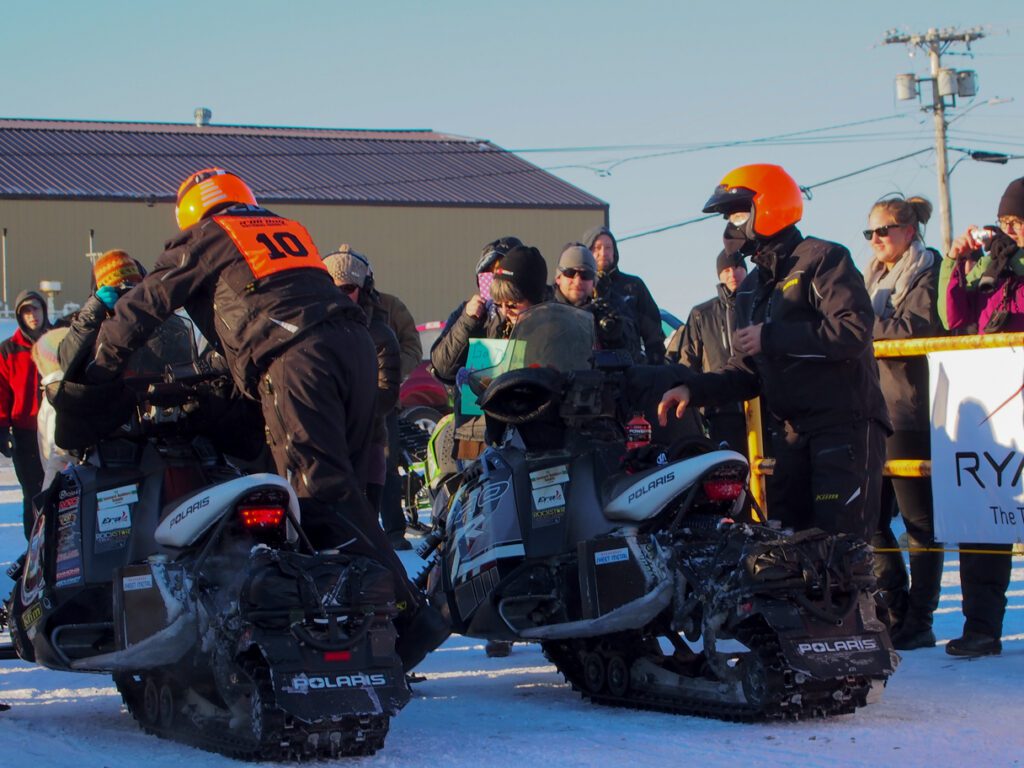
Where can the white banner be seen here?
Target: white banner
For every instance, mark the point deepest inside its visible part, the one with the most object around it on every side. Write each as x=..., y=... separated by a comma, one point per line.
x=977, y=403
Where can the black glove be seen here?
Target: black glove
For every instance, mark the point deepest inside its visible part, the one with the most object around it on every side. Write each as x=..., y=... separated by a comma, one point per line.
x=1001, y=249
x=6, y=442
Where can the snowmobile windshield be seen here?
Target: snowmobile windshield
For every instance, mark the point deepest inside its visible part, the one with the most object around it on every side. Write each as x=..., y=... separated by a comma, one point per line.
x=172, y=345
x=548, y=335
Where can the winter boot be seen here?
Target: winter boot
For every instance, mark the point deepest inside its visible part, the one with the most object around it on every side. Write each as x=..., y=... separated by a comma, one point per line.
x=973, y=644
x=497, y=649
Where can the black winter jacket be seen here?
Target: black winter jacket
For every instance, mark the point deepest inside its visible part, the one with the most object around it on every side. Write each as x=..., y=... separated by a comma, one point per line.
x=706, y=340
x=632, y=292
x=449, y=352
x=614, y=327
x=904, y=380
x=817, y=367
x=250, y=300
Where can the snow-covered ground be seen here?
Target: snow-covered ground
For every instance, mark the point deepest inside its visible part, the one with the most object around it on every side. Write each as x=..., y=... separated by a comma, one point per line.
x=473, y=711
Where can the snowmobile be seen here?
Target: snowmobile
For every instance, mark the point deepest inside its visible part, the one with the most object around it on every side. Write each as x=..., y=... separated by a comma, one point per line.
x=156, y=561
x=633, y=567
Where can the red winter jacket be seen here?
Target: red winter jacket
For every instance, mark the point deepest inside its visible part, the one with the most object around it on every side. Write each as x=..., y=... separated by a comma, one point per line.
x=19, y=383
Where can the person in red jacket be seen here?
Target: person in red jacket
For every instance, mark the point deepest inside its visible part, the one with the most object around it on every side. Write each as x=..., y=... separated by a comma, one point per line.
x=19, y=398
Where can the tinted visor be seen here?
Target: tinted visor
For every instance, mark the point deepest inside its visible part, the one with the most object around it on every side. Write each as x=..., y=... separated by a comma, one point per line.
x=728, y=200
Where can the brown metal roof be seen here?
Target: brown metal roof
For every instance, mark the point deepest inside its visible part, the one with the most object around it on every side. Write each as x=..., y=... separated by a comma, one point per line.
x=147, y=161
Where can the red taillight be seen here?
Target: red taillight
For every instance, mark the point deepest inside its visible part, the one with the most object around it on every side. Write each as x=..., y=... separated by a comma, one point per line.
x=722, y=489
x=261, y=517
x=337, y=655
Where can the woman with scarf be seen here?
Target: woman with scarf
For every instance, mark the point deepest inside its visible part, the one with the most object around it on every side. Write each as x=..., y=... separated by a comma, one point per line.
x=901, y=280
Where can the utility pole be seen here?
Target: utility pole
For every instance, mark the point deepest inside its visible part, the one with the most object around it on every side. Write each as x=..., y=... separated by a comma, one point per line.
x=945, y=84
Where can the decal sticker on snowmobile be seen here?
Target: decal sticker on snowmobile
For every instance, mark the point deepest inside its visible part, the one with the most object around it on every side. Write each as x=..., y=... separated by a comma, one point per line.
x=546, y=498
x=654, y=482
x=542, y=478
x=611, y=556
x=490, y=494
x=113, y=519
x=303, y=683
x=839, y=645
x=33, y=581
x=69, y=534
x=31, y=615
x=544, y=518
x=117, y=497
x=142, y=581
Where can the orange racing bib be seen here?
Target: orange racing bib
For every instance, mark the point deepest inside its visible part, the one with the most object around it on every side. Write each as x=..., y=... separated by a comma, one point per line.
x=271, y=244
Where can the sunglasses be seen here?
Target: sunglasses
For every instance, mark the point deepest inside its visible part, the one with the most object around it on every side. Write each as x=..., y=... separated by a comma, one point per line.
x=348, y=288
x=1010, y=222
x=880, y=231
x=585, y=274
x=511, y=305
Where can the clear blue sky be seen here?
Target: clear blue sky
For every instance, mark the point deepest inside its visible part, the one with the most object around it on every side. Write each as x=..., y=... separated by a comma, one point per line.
x=532, y=75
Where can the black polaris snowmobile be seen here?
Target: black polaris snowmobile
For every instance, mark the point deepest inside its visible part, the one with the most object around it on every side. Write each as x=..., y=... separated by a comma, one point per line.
x=154, y=560
x=635, y=570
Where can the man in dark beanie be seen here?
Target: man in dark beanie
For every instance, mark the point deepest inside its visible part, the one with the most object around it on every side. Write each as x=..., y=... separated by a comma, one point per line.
x=704, y=344
x=19, y=399
x=630, y=290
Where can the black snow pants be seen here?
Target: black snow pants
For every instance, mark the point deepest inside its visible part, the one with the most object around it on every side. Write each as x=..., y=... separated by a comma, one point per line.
x=911, y=600
x=830, y=478
x=984, y=580
x=29, y=471
x=318, y=398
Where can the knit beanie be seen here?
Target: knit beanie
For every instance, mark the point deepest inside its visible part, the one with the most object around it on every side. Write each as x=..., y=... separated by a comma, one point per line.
x=726, y=260
x=1012, y=201
x=577, y=256
x=525, y=268
x=347, y=266
x=116, y=268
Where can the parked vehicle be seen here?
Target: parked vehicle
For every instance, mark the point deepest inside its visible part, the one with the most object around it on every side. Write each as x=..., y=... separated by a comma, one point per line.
x=637, y=576
x=155, y=561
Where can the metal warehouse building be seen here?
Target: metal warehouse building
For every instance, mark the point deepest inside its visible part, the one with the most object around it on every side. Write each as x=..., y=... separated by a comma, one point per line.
x=420, y=204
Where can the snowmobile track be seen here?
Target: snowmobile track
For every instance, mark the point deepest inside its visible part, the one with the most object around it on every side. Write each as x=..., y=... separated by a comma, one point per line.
x=785, y=699
x=276, y=738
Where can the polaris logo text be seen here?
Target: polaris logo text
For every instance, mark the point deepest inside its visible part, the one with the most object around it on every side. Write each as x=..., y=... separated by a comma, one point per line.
x=203, y=502
x=668, y=477
x=305, y=684
x=835, y=646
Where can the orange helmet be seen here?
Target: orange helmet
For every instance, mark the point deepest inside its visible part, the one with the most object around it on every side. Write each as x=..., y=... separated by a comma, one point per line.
x=207, y=190
x=770, y=193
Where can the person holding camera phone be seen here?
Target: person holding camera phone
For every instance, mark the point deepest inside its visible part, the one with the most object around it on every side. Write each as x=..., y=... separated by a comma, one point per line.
x=983, y=284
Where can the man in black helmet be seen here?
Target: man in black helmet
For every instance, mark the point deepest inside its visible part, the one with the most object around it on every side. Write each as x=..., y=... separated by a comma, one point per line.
x=628, y=290
x=803, y=342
